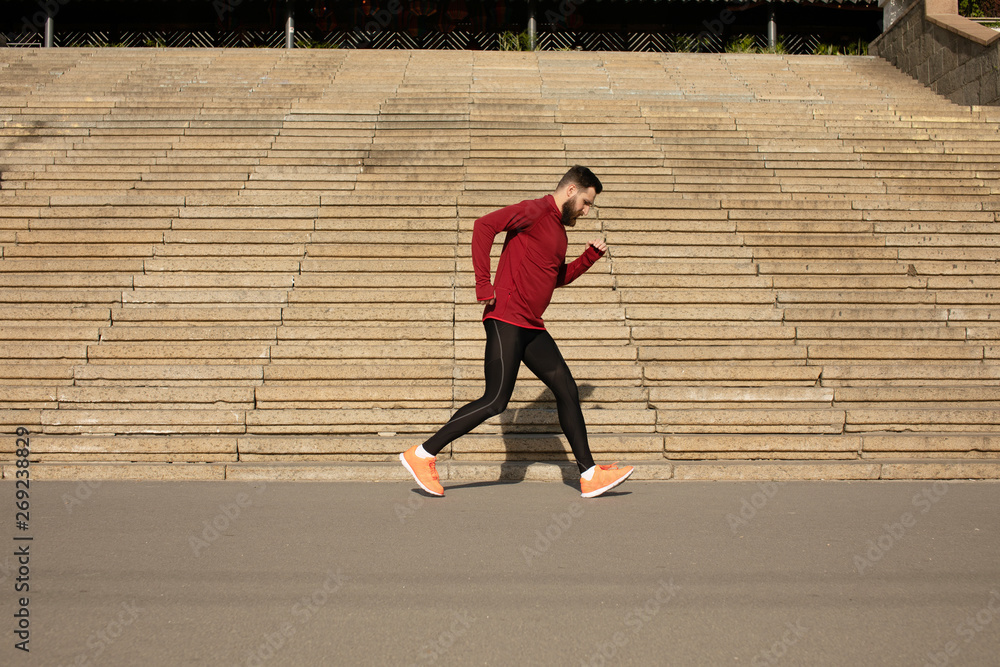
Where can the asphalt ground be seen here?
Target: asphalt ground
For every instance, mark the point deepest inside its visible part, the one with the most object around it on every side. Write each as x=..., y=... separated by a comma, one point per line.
x=529, y=573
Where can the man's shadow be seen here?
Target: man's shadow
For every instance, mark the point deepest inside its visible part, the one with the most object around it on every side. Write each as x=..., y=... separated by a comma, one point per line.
x=519, y=427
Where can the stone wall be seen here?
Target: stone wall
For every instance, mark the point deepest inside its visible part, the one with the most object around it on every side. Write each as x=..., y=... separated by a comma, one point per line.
x=954, y=56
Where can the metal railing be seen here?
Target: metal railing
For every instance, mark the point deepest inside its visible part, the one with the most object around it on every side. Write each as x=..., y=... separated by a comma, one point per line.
x=664, y=42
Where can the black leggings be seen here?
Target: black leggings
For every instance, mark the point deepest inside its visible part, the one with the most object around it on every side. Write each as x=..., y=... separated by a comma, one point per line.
x=507, y=345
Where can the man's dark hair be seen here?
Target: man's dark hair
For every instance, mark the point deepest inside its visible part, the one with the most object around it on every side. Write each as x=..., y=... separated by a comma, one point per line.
x=582, y=178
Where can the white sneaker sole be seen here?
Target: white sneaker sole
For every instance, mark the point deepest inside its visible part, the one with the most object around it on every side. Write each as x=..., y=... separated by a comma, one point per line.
x=594, y=494
x=402, y=457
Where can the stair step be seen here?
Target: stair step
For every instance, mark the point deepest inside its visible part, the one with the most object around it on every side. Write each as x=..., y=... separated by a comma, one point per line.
x=265, y=257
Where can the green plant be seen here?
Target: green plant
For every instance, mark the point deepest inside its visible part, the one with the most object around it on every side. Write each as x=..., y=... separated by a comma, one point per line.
x=317, y=44
x=971, y=8
x=511, y=41
x=685, y=44
x=508, y=41
x=88, y=43
x=691, y=44
x=745, y=44
x=748, y=44
x=858, y=48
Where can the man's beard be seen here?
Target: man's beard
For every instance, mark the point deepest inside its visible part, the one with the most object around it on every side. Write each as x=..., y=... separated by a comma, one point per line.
x=569, y=216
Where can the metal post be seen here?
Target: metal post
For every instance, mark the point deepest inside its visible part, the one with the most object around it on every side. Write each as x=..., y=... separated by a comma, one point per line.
x=289, y=25
x=532, y=27
x=772, y=29
x=50, y=29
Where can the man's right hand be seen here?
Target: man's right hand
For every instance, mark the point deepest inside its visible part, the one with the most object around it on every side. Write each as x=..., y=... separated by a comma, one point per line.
x=491, y=301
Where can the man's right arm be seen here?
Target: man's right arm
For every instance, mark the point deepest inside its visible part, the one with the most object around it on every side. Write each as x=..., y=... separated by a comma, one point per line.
x=484, y=231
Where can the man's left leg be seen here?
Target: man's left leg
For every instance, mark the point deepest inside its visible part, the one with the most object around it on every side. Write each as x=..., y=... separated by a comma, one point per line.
x=542, y=357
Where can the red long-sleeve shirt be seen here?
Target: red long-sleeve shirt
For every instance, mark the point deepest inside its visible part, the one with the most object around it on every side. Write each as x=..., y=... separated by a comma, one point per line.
x=532, y=264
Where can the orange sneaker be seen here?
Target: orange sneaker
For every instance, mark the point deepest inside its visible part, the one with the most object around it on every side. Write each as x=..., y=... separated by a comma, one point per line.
x=604, y=479
x=423, y=471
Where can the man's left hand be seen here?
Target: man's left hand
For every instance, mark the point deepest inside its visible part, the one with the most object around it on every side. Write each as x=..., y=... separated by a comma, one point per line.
x=599, y=244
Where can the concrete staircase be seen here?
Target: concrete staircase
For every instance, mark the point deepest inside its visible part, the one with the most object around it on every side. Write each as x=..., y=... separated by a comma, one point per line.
x=255, y=263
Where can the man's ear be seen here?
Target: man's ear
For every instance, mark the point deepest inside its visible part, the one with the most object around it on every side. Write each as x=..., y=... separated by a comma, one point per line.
x=571, y=190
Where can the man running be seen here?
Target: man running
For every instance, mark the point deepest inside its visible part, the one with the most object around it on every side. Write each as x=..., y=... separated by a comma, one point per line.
x=531, y=266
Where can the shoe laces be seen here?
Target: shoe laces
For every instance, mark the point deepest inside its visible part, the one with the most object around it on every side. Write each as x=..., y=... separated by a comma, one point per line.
x=433, y=468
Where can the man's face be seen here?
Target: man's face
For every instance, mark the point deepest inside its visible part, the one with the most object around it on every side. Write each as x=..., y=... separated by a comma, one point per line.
x=578, y=205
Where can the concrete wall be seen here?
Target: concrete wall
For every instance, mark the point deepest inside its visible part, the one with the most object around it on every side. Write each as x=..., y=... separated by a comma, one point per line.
x=954, y=56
